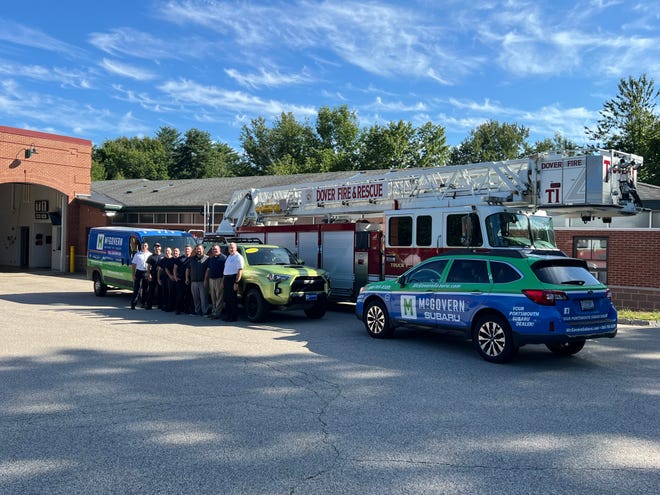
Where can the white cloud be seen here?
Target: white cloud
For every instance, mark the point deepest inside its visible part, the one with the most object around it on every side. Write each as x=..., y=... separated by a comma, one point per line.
x=20, y=34
x=267, y=78
x=65, y=77
x=380, y=38
x=126, y=70
x=186, y=91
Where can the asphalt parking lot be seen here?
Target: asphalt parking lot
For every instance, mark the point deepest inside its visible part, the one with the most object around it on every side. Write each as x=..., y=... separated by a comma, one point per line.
x=95, y=398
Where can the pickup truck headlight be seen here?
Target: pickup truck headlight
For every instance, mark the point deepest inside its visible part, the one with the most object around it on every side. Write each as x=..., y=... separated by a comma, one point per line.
x=276, y=277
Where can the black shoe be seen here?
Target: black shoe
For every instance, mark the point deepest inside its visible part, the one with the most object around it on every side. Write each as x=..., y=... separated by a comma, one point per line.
x=132, y=306
x=147, y=307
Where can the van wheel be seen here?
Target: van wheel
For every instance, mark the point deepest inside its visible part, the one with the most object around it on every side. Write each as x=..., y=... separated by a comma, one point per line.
x=256, y=308
x=377, y=320
x=567, y=348
x=492, y=337
x=100, y=288
x=317, y=310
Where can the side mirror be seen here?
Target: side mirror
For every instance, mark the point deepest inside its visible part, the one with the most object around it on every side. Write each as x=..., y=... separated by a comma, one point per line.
x=300, y=262
x=401, y=280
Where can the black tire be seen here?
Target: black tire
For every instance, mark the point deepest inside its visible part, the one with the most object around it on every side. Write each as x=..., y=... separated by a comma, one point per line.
x=566, y=348
x=100, y=289
x=377, y=320
x=317, y=310
x=256, y=307
x=493, y=340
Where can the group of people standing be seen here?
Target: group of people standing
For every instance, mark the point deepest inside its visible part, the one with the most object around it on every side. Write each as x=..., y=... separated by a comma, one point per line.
x=192, y=282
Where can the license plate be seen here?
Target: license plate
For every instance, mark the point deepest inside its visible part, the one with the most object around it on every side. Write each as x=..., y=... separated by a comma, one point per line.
x=586, y=304
x=312, y=297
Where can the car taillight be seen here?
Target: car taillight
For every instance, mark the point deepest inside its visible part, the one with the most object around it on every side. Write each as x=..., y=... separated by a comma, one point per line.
x=545, y=297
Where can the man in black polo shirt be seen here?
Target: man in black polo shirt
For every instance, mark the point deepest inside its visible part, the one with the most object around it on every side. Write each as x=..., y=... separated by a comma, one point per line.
x=154, y=292
x=183, y=294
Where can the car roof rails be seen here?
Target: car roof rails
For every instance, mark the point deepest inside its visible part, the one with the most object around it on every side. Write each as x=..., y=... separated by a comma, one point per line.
x=504, y=253
x=223, y=239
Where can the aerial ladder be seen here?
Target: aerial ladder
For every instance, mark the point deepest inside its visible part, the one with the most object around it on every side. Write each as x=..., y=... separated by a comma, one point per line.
x=578, y=183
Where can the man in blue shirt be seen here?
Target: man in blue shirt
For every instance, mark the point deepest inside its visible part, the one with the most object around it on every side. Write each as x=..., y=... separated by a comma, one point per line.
x=213, y=278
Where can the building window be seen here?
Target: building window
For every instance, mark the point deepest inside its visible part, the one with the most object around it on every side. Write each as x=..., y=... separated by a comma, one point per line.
x=146, y=218
x=593, y=250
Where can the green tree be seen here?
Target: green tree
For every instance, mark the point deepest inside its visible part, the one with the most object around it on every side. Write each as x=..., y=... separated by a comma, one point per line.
x=287, y=147
x=256, y=140
x=491, y=141
x=391, y=146
x=338, y=131
x=558, y=142
x=132, y=158
x=98, y=171
x=628, y=123
x=431, y=145
x=224, y=162
x=194, y=155
x=171, y=140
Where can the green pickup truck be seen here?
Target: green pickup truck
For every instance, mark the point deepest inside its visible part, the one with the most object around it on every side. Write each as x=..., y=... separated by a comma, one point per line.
x=273, y=278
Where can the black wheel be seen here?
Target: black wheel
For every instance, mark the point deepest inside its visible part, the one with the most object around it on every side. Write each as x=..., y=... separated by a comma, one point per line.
x=100, y=289
x=377, y=321
x=317, y=310
x=491, y=336
x=256, y=308
x=567, y=348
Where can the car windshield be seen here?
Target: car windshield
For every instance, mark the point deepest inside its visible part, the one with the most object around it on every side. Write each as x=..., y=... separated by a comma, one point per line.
x=563, y=272
x=518, y=230
x=265, y=255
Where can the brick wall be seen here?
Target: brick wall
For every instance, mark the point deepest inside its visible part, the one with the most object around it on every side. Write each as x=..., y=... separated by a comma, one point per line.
x=61, y=162
x=633, y=264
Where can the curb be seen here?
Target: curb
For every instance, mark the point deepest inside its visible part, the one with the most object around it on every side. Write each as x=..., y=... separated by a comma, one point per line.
x=639, y=323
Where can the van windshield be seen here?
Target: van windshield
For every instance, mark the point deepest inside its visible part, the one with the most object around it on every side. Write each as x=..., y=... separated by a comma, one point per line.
x=171, y=241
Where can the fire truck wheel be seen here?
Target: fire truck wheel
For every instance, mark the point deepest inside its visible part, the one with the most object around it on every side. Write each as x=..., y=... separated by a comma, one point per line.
x=377, y=321
x=567, y=348
x=493, y=340
x=317, y=311
x=100, y=288
x=256, y=307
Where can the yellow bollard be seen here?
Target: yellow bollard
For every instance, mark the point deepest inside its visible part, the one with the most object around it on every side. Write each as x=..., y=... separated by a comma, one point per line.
x=72, y=259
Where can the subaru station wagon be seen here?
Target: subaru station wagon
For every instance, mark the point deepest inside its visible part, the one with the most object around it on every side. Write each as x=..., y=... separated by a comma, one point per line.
x=500, y=299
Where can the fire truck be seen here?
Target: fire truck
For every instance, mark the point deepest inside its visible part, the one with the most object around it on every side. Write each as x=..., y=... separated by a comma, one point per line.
x=377, y=224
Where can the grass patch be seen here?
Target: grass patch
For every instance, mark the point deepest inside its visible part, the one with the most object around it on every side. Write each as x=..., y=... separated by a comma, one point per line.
x=639, y=315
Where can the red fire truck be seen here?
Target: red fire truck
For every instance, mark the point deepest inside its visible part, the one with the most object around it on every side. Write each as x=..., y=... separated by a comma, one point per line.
x=377, y=224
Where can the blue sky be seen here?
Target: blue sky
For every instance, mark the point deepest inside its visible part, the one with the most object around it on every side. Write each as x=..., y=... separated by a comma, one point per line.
x=104, y=69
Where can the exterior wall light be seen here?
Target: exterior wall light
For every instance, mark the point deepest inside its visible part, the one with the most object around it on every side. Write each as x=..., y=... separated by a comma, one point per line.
x=31, y=150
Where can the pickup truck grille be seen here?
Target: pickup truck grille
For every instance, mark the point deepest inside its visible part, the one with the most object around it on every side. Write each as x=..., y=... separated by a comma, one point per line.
x=308, y=284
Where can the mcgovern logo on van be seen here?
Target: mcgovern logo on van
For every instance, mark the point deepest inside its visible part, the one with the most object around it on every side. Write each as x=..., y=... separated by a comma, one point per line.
x=103, y=240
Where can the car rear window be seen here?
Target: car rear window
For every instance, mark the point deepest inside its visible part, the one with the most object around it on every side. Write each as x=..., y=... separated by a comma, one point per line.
x=564, y=272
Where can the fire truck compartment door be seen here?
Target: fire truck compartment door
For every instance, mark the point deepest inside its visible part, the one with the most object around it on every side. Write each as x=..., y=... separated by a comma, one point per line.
x=337, y=258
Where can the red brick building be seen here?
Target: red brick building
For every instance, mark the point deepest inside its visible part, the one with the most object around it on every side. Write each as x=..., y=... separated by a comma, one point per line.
x=40, y=176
